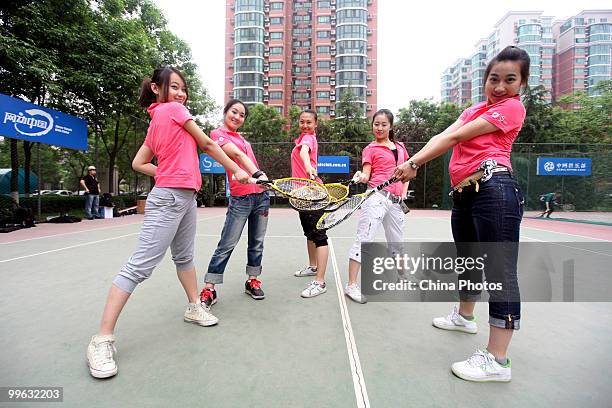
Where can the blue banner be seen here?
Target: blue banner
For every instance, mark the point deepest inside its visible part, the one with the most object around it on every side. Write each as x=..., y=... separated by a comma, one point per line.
x=208, y=165
x=27, y=121
x=564, y=166
x=333, y=164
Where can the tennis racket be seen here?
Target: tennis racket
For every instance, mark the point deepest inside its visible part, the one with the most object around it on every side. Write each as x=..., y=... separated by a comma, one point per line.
x=337, y=191
x=336, y=214
x=297, y=188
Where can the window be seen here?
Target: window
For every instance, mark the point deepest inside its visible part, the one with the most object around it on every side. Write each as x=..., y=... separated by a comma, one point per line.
x=276, y=20
x=323, y=64
x=322, y=49
x=276, y=6
x=276, y=80
x=276, y=65
x=276, y=35
x=248, y=49
x=249, y=19
x=323, y=109
x=276, y=50
x=579, y=61
x=279, y=109
x=323, y=94
x=322, y=34
x=276, y=95
x=249, y=34
x=579, y=71
x=323, y=4
x=324, y=19
x=323, y=80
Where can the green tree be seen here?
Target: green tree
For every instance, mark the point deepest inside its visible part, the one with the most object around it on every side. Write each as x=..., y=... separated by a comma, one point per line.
x=539, y=124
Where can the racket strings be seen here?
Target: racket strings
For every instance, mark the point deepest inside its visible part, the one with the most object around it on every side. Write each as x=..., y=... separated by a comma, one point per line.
x=337, y=192
x=340, y=213
x=302, y=189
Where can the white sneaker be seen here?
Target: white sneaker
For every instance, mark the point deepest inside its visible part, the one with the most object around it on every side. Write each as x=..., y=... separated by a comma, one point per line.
x=200, y=314
x=314, y=289
x=306, y=271
x=455, y=321
x=354, y=293
x=482, y=367
x=101, y=356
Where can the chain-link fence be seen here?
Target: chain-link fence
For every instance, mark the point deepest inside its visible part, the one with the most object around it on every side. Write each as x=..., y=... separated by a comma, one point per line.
x=431, y=187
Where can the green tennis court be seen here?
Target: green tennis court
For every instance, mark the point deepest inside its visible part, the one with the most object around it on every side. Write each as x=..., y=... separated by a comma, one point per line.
x=284, y=351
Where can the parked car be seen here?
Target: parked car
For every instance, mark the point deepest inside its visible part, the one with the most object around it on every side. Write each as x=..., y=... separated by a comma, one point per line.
x=62, y=192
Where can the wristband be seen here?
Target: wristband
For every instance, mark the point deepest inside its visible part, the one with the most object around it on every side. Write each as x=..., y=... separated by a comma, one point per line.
x=257, y=174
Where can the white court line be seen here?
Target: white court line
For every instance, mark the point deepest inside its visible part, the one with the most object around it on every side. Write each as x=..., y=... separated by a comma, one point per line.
x=90, y=230
x=68, y=247
x=565, y=233
x=361, y=394
x=86, y=243
x=569, y=246
x=68, y=233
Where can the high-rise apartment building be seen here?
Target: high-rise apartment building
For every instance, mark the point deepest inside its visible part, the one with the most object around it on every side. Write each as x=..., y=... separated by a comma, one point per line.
x=306, y=53
x=457, y=82
x=565, y=56
x=583, y=51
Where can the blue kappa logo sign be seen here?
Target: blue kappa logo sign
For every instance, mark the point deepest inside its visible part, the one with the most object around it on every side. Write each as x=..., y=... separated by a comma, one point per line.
x=208, y=165
x=23, y=120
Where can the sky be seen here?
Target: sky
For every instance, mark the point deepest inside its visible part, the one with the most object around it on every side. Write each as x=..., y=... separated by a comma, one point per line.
x=417, y=40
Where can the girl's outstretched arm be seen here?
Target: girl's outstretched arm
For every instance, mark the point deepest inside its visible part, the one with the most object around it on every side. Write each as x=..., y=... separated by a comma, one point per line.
x=142, y=161
x=312, y=173
x=212, y=148
x=441, y=143
x=234, y=153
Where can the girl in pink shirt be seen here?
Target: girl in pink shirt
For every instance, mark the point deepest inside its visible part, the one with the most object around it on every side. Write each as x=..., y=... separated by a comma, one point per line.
x=304, y=165
x=247, y=203
x=379, y=160
x=170, y=213
x=487, y=207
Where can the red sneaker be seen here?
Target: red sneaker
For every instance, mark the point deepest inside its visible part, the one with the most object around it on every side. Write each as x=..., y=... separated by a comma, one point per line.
x=252, y=287
x=208, y=296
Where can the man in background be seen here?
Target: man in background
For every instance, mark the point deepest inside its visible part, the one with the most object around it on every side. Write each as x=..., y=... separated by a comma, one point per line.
x=549, y=201
x=92, y=193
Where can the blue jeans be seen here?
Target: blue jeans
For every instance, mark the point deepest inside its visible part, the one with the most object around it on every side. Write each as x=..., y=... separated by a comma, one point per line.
x=91, y=205
x=493, y=214
x=254, y=209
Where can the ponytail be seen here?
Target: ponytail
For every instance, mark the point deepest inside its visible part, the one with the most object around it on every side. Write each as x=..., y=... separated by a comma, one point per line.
x=147, y=96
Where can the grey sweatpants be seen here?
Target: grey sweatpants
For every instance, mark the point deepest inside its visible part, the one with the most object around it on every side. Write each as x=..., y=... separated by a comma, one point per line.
x=169, y=221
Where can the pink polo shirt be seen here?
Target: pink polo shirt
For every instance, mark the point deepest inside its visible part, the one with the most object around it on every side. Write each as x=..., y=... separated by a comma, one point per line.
x=176, y=150
x=383, y=163
x=508, y=116
x=223, y=136
x=297, y=165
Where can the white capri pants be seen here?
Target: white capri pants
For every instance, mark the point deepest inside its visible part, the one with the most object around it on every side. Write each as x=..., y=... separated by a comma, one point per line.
x=378, y=210
x=169, y=221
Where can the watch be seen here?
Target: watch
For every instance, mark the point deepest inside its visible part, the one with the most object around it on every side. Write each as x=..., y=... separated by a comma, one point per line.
x=413, y=165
